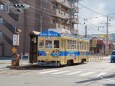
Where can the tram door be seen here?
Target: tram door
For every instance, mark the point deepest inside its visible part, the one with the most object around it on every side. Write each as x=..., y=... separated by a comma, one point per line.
x=33, y=48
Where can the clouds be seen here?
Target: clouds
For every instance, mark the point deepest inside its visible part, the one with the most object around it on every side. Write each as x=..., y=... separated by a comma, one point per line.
x=94, y=19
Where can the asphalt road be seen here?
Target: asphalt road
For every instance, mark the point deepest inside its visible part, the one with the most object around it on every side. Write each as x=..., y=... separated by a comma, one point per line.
x=94, y=73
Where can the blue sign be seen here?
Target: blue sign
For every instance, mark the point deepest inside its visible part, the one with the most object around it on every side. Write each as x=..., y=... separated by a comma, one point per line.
x=49, y=34
x=87, y=53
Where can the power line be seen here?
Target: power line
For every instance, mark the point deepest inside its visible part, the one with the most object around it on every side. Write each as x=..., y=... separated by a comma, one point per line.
x=92, y=10
x=90, y=24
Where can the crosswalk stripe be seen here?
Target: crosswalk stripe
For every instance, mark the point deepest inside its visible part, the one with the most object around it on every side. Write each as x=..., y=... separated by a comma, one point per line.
x=48, y=71
x=101, y=74
x=73, y=73
x=60, y=72
x=85, y=74
x=4, y=68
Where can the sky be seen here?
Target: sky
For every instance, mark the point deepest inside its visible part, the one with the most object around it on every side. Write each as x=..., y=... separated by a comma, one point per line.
x=96, y=21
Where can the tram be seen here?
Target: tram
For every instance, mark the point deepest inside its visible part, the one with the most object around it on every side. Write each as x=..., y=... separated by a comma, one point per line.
x=55, y=49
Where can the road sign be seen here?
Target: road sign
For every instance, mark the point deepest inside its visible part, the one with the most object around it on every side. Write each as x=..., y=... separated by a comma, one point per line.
x=16, y=40
x=14, y=50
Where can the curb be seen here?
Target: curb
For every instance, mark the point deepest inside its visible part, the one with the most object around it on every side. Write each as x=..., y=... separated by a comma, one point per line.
x=22, y=67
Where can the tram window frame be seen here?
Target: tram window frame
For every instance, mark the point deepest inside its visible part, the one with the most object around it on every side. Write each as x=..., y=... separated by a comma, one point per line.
x=41, y=45
x=57, y=44
x=81, y=45
x=85, y=46
x=48, y=44
x=74, y=43
x=68, y=44
x=78, y=45
x=62, y=44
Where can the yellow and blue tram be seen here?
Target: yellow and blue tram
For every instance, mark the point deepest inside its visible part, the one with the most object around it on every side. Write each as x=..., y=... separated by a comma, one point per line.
x=55, y=49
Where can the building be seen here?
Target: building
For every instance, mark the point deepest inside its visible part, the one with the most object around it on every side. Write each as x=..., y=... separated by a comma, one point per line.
x=112, y=37
x=98, y=46
x=41, y=15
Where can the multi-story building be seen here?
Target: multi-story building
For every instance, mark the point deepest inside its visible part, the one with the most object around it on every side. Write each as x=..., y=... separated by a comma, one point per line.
x=40, y=16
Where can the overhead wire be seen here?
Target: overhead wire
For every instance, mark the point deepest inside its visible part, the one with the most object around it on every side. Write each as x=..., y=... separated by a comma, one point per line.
x=92, y=10
x=55, y=6
x=89, y=23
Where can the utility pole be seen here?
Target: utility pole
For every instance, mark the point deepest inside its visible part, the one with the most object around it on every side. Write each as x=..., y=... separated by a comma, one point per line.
x=41, y=15
x=70, y=17
x=107, y=39
x=72, y=4
x=77, y=14
x=85, y=20
x=85, y=31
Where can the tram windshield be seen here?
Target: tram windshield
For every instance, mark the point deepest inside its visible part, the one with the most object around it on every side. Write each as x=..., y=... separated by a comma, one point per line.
x=48, y=44
x=56, y=43
x=41, y=43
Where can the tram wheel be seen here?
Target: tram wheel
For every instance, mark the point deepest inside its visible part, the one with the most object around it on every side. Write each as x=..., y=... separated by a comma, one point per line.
x=82, y=62
x=58, y=64
x=70, y=62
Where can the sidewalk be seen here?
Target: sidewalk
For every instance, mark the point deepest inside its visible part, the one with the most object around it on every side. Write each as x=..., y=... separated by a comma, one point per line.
x=5, y=60
x=26, y=66
x=23, y=64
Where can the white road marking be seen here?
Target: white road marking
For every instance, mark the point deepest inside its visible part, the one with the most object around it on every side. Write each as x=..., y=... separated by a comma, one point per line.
x=72, y=73
x=48, y=71
x=4, y=68
x=101, y=74
x=86, y=74
x=60, y=72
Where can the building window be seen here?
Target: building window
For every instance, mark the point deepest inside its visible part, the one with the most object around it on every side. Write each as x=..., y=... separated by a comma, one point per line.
x=1, y=7
x=1, y=20
x=54, y=21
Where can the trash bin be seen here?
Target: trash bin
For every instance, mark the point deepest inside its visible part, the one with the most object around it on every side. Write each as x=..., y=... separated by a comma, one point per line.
x=15, y=60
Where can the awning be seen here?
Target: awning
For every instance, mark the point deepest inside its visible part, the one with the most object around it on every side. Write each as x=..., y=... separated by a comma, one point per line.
x=35, y=33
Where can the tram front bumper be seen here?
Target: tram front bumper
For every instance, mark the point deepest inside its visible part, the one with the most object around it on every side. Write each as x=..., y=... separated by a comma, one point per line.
x=47, y=63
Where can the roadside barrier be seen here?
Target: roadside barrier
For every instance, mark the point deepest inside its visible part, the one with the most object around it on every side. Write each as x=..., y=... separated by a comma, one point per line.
x=98, y=58
x=24, y=59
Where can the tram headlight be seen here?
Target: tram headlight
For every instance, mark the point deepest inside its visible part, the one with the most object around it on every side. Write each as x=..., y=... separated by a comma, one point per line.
x=48, y=52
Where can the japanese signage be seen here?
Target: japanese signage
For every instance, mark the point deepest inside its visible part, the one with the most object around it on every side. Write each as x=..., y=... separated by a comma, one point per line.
x=16, y=40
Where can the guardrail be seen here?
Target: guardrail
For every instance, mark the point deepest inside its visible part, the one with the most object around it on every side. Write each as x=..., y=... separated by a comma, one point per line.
x=98, y=57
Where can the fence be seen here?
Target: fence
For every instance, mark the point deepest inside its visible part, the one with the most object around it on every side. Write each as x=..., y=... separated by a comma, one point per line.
x=99, y=58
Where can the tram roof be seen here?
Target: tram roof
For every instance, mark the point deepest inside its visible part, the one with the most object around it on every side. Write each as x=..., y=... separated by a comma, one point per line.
x=49, y=34
x=56, y=34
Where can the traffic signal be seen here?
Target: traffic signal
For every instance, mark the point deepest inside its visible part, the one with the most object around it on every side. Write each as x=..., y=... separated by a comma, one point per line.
x=22, y=6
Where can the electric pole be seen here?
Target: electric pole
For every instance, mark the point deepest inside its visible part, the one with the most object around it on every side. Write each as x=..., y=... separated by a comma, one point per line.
x=85, y=31
x=41, y=15
x=107, y=39
x=77, y=13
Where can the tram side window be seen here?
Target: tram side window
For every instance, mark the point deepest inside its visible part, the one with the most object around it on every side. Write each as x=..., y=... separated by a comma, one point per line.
x=56, y=43
x=48, y=44
x=41, y=43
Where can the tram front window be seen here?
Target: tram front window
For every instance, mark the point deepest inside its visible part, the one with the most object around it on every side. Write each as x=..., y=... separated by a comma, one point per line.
x=48, y=44
x=41, y=43
x=56, y=43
